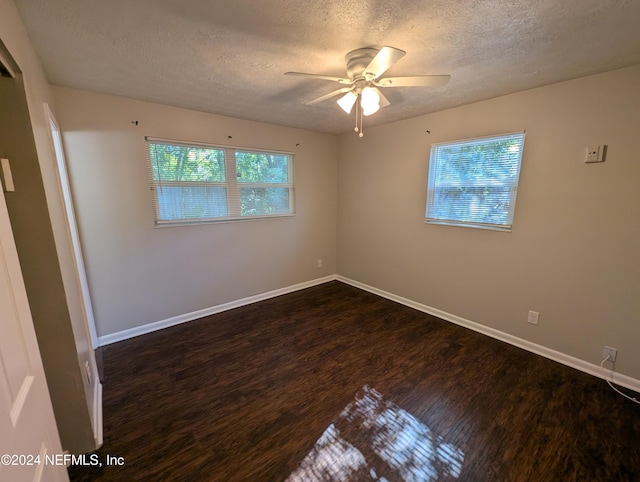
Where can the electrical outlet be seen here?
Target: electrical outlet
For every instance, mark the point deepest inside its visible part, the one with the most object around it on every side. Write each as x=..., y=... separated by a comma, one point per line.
x=611, y=352
x=596, y=153
x=319, y=263
x=533, y=317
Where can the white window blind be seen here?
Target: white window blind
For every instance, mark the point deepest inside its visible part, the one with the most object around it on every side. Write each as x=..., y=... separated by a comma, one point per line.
x=474, y=182
x=195, y=183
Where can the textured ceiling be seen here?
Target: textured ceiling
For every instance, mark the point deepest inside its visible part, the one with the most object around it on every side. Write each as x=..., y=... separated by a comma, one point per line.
x=228, y=57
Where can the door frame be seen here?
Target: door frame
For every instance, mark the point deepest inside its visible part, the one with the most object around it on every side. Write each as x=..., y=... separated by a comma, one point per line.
x=55, y=139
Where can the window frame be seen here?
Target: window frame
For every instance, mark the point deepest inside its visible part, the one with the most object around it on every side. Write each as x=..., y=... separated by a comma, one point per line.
x=231, y=184
x=434, y=165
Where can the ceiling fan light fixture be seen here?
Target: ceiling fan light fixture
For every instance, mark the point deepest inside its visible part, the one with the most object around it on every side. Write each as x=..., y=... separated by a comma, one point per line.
x=347, y=101
x=372, y=109
x=369, y=101
x=365, y=68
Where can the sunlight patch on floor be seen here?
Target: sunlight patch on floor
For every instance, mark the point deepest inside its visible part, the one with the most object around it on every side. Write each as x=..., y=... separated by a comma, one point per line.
x=372, y=438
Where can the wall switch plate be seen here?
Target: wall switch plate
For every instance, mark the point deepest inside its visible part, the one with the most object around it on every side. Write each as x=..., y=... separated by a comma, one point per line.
x=595, y=153
x=533, y=317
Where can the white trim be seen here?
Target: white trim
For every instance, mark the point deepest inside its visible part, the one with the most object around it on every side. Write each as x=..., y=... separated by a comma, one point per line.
x=6, y=61
x=469, y=140
x=207, y=145
x=71, y=225
x=97, y=414
x=21, y=397
x=194, y=315
x=9, y=186
x=577, y=363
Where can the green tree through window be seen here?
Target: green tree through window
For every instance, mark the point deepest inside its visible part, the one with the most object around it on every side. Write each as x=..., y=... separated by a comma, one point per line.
x=258, y=174
x=474, y=182
x=199, y=183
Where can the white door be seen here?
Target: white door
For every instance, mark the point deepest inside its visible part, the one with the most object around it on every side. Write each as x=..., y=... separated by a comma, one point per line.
x=29, y=440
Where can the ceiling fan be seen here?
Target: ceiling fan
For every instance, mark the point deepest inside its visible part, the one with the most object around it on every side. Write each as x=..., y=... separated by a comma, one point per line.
x=364, y=69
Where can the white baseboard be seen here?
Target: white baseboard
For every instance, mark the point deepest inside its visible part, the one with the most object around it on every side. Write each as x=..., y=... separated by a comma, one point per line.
x=578, y=364
x=194, y=315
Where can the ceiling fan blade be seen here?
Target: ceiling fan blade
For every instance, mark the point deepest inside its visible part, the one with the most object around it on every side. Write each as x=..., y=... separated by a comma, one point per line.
x=383, y=100
x=385, y=58
x=329, y=95
x=413, y=81
x=320, y=77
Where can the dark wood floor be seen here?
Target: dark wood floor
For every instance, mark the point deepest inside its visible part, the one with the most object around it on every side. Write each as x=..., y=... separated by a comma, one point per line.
x=245, y=395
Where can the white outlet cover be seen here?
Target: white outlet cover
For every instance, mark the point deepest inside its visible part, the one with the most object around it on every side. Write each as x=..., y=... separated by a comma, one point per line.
x=533, y=317
x=595, y=153
x=612, y=352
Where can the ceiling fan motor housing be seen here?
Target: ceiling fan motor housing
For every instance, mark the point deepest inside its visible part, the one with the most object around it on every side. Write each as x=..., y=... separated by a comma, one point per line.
x=365, y=68
x=358, y=60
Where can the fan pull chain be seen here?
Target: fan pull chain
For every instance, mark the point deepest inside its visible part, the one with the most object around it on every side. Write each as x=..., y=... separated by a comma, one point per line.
x=359, y=127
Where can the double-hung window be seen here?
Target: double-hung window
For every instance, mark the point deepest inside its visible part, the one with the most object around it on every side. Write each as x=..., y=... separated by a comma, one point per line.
x=196, y=183
x=474, y=182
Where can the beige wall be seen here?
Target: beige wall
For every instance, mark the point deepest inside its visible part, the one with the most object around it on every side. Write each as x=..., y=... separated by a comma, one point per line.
x=574, y=253
x=140, y=274
x=40, y=230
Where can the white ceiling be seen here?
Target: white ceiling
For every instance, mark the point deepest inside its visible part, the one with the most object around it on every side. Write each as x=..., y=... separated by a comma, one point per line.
x=228, y=56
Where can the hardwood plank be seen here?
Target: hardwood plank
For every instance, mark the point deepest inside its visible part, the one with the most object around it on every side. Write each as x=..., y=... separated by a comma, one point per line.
x=244, y=395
